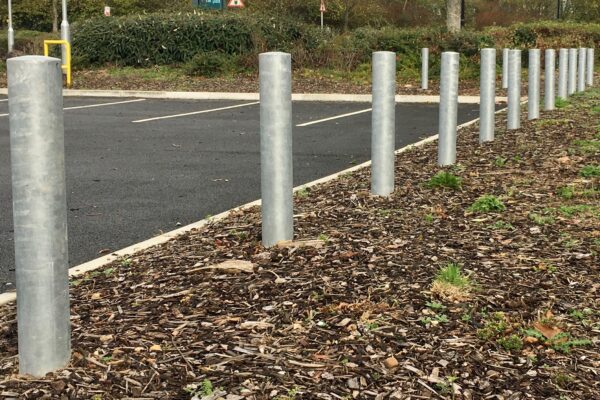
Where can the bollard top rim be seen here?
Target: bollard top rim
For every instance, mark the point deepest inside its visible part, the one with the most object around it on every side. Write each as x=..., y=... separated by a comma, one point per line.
x=274, y=53
x=385, y=52
x=32, y=59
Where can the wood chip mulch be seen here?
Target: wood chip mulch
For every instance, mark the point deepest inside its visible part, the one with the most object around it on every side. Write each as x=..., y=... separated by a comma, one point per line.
x=353, y=313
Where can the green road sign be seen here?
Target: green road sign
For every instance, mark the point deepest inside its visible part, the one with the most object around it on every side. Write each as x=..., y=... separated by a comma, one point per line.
x=212, y=4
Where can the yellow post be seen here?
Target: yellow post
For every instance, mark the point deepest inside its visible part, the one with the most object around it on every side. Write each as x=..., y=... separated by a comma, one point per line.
x=67, y=66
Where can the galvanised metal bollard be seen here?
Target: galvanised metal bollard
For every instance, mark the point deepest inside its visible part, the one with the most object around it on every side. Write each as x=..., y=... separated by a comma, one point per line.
x=39, y=213
x=572, y=84
x=590, y=66
x=275, y=71
x=425, y=68
x=505, y=53
x=383, y=136
x=487, y=104
x=549, y=97
x=533, y=101
x=11, y=32
x=581, y=73
x=448, y=109
x=514, y=89
x=563, y=73
x=65, y=31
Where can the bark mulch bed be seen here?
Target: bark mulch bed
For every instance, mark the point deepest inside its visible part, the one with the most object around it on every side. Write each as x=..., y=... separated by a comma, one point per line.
x=354, y=314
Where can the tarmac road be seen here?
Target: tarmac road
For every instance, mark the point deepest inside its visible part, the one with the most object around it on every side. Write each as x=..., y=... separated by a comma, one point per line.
x=128, y=181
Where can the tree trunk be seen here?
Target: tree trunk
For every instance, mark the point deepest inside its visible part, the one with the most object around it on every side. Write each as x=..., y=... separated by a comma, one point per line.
x=453, y=11
x=346, y=16
x=54, y=16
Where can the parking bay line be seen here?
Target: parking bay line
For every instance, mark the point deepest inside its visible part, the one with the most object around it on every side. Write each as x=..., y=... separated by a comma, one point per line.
x=195, y=112
x=334, y=117
x=96, y=105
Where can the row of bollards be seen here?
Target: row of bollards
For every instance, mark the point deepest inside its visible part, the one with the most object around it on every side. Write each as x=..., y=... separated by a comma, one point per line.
x=38, y=166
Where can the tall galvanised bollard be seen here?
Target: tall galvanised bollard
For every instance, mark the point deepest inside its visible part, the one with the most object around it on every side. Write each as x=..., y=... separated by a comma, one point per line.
x=590, y=66
x=425, y=68
x=514, y=89
x=572, y=84
x=383, y=136
x=563, y=73
x=505, y=53
x=549, y=70
x=275, y=70
x=582, y=71
x=533, y=101
x=487, y=104
x=448, y=109
x=39, y=213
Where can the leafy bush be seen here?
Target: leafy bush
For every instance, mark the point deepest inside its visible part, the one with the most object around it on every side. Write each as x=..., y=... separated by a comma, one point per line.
x=208, y=64
x=525, y=37
x=160, y=39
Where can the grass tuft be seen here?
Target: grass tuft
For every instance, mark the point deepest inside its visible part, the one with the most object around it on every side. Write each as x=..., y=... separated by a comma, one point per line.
x=487, y=204
x=445, y=179
x=450, y=284
x=590, y=171
x=561, y=103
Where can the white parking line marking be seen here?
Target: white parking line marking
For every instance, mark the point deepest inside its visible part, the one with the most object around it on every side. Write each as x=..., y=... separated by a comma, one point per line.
x=335, y=117
x=104, y=104
x=96, y=105
x=195, y=112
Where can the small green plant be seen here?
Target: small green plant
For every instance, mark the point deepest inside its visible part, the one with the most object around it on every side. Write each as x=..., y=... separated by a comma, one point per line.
x=562, y=380
x=569, y=211
x=502, y=225
x=108, y=272
x=560, y=102
x=511, y=343
x=588, y=146
x=487, y=204
x=371, y=326
x=429, y=218
x=446, y=387
x=323, y=237
x=304, y=192
x=125, y=262
x=446, y=180
x=581, y=315
x=540, y=219
x=291, y=394
x=566, y=192
x=493, y=326
x=563, y=342
x=434, y=305
x=436, y=319
x=206, y=388
x=590, y=171
x=500, y=161
x=451, y=274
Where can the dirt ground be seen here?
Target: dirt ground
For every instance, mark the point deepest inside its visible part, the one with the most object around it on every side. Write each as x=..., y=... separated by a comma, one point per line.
x=367, y=309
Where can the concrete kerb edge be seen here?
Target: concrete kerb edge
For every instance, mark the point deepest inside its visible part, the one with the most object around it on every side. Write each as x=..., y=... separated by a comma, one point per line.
x=6, y=298
x=349, y=98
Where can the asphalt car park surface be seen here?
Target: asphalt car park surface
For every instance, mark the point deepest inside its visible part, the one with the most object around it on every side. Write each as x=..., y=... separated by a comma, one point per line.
x=139, y=167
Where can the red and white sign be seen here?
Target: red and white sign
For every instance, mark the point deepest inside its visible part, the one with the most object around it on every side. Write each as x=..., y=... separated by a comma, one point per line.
x=107, y=11
x=323, y=9
x=236, y=4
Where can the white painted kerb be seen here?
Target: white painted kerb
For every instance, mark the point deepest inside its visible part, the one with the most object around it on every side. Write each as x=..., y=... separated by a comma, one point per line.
x=356, y=98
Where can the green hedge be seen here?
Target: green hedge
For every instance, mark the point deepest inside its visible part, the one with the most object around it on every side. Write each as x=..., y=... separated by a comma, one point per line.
x=171, y=39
